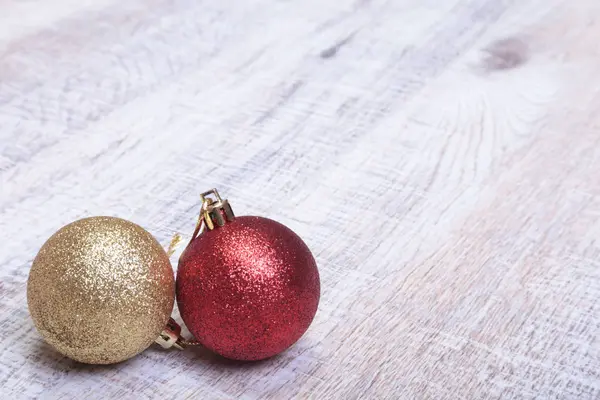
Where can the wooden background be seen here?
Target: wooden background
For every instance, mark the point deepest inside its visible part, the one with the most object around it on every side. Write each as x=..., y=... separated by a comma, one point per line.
x=441, y=159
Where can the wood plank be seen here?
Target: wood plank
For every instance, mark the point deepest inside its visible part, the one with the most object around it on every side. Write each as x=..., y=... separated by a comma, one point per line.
x=439, y=159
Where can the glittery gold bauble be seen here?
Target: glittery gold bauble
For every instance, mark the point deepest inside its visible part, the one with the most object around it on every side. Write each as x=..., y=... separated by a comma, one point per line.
x=101, y=290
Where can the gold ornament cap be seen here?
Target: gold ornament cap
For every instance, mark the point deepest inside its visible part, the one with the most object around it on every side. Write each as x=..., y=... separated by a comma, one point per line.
x=101, y=290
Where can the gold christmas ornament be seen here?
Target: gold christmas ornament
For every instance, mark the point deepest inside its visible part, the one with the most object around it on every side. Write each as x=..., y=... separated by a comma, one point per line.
x=101, y=290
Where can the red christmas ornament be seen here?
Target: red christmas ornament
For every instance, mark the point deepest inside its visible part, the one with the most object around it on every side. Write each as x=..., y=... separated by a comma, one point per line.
x=247, y=287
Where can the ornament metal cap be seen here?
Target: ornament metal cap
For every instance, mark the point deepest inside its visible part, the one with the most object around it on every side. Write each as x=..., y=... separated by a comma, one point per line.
x=171, y=336
x=215, y=210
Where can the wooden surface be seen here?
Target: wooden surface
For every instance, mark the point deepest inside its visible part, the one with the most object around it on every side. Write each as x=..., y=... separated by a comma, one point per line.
x=440, y=158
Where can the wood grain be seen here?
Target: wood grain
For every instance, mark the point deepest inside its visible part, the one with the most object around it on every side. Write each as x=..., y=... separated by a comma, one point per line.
x=439, y=159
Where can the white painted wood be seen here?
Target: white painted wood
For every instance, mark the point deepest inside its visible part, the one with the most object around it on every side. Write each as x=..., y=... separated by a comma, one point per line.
x=441, y=160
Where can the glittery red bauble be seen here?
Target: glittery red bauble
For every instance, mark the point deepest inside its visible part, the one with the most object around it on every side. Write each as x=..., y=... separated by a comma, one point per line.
x=249, y=289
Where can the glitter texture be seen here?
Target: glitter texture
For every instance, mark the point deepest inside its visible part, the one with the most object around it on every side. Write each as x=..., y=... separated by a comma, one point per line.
x=101, y=290
x=248, y=290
